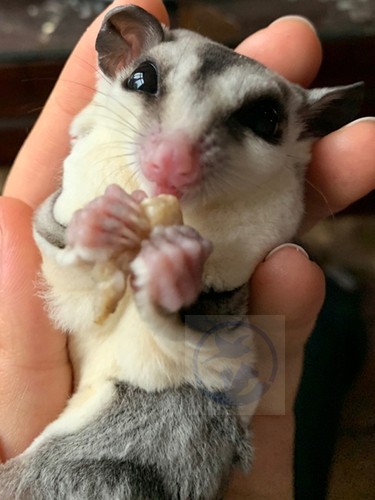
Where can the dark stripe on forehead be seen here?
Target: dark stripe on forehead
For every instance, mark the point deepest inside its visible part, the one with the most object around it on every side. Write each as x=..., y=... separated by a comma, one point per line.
x=216, y=59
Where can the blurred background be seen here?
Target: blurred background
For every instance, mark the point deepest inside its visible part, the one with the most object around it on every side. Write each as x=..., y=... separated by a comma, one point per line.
x=335, y=447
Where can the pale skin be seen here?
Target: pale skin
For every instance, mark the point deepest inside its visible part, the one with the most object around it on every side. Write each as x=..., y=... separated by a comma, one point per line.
x=35, y=374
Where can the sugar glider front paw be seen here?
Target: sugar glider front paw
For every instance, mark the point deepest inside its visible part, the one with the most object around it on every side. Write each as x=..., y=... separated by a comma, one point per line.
x=167, y=273
x=106, y=234
x=109, y=225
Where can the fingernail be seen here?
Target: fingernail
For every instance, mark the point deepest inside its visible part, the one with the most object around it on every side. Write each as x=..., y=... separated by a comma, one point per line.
x=368, y=119
x=288, y=245
x=295, y=18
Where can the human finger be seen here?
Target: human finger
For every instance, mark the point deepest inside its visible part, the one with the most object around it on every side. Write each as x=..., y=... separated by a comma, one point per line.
x=290, y=285
x=39, y=161
x=342, y=170
x=286, y=284
x=289, y=46
x=35, y=375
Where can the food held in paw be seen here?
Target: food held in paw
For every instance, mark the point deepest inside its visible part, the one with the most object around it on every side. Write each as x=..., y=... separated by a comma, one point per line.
x=162, y=210
x=110, y=276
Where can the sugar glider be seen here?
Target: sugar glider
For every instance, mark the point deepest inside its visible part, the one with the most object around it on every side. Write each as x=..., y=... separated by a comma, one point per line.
x=174, y=113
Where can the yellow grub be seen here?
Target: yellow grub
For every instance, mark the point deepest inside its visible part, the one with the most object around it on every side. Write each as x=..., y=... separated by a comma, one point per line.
x=162, y=210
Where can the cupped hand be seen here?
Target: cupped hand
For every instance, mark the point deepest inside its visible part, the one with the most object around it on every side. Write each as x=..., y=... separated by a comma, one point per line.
x=35, y=378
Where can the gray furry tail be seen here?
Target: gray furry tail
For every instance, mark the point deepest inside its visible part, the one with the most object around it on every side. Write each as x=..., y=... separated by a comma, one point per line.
x=174, y=444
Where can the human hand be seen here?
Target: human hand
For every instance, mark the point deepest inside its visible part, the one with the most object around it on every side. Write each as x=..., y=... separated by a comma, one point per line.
x=35, y=379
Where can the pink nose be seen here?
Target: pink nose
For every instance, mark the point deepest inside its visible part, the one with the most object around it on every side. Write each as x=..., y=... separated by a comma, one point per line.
x=169, y=160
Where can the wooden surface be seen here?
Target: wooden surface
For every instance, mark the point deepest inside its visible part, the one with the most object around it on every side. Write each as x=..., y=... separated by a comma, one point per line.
x=24, y=88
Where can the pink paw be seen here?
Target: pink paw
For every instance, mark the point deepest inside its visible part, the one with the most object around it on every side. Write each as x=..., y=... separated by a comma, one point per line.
x=169, y=267
x=107, y=225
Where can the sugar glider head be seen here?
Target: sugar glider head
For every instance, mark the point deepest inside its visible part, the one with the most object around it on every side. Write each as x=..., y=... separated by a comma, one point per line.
x=204, y=122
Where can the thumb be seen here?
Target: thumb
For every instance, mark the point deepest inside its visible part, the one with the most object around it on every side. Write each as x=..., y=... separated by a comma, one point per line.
x=286, y=284
x=289, y=285
x=35, y=375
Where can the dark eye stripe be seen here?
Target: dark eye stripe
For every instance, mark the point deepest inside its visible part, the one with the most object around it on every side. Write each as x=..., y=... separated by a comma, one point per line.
x=263, y=117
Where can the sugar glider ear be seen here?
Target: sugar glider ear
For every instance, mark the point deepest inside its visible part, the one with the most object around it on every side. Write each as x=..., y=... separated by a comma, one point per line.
x=328, y=109
x=126, y=32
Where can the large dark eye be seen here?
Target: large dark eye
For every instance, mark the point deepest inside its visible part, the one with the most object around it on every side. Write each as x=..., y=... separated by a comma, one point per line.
x=262, y=117
x=143, y=79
